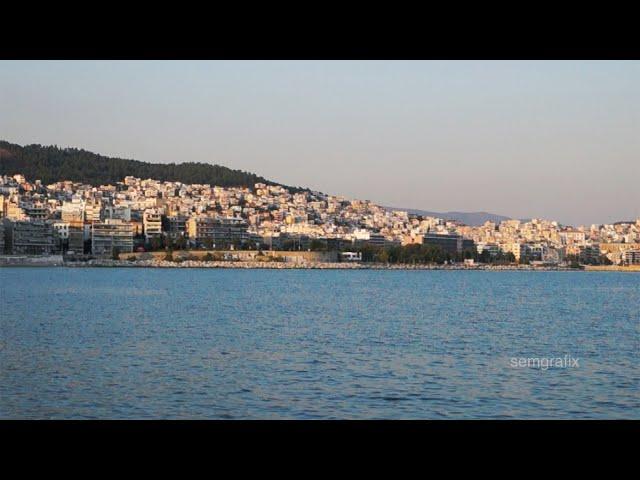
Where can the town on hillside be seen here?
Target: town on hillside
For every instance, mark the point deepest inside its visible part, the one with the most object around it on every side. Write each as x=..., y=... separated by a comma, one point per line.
x=136, y=215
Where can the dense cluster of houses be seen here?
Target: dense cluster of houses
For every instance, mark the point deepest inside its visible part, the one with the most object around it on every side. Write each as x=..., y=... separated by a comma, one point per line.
x=136, y=214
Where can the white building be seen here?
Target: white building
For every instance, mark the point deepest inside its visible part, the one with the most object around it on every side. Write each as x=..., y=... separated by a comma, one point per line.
x=152, y=222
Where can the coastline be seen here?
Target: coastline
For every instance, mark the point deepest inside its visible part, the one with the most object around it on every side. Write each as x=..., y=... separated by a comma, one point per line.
x=345, y=266
x=255, y=265
x=299, y=264
x=612, y=268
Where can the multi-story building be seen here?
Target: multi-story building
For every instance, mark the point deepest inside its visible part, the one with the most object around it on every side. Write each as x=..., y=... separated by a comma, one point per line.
x=631, y=257
x=615, y=251
x=75, y=242
x=176, y=225
x=152, y=221
x=590, y=254
x=532, y=252
x=467, y=245
x=450, y=243
x=116, y=212
x=61, y=236
x=376, y=239
x=515, y=248
x=491, y=248
x=72, y=213
x=92, y=211
x=36, y=211
x=214, y=232
x=111, y=236
x=572, y=237
x=15, y=212
x=32, y=237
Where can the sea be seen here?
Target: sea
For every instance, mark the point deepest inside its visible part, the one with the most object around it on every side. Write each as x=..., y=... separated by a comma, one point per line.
x=152, y=343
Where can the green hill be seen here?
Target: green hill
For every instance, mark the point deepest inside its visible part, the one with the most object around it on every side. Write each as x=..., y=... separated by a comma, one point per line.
x=52, y=164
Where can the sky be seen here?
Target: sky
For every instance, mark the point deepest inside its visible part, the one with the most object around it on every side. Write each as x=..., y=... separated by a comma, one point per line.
x=558, y=140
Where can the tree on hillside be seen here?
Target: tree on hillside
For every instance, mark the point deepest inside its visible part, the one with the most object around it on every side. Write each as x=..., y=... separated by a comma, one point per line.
x=52, y=164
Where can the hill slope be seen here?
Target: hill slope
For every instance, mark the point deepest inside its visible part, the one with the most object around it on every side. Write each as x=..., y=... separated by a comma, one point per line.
x=51, y=164
x=468, y=218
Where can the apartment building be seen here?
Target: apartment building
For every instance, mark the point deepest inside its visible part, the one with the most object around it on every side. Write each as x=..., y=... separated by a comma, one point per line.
x=152, y=222
x=72, y=213
x=572, y=237
x=112, y=235
x=15, y=212
x=514, y=248
x=209, y=231
x=92, y=211
x=532, y=252
x=631, y=257
x=35, y=211
x=176, y=225
x=492, y=248
x=32, y=237
x=116, y=212
x=590, y=254
x=61, y=236
x=376, y=239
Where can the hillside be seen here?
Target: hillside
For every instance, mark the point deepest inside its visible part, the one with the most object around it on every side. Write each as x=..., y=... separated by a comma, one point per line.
x=468, y=218
x=51, y=164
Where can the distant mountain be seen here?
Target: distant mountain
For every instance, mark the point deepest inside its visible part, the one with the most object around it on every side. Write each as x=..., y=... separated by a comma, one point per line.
x=52, y=164
x=468, y=218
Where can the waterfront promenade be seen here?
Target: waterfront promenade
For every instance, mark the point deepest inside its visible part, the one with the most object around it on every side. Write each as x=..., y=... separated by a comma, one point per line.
x=276, y=260
x=57, y=261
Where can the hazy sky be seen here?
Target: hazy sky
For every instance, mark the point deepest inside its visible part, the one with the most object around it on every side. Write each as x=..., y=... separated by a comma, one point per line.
x=558, y=140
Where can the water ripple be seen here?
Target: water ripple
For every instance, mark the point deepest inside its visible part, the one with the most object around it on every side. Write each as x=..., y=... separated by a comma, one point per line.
x=137, y=343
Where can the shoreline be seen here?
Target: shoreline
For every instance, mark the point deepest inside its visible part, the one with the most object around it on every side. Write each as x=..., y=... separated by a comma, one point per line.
x=302, y=266
x=255, y=265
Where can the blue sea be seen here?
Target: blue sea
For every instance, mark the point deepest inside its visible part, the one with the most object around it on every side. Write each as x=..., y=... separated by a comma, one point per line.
x=109, y=343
